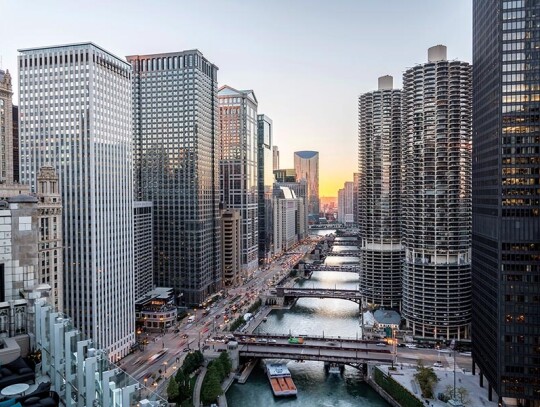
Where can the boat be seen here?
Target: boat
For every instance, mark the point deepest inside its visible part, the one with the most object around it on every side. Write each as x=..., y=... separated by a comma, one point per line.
x=334, y=368
x=280, y=380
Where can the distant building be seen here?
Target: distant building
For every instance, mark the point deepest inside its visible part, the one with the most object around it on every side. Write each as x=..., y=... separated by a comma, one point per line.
x=275, y=157
x=289, y=219
x=143, y=244
x=50, y=244
x=238, y=165
x=379, y=194
x=436, y=199
x=306, y=166
x=345, y=204
x=231, y=247
x=300, y=190
x=176, y=167
x=89, y=143
x=6, y=128
x=265, y=183
x=285, y=175
x=506, y=199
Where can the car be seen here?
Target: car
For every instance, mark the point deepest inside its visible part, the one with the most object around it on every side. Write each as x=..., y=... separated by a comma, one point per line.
x=262, y=340
x=401, y=345
x=176, y=331
x=184, y=336
x=380, y=344
x=437, y=364
x=410, y=346
x=272, y=341
x=331, y=343
x=185, y=350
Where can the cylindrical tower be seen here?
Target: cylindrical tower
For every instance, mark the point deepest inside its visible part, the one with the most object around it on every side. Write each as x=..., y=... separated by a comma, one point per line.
x=381, y=252
x=436, y=196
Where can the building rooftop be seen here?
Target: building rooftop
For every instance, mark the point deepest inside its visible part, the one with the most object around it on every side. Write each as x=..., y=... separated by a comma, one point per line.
x=306, y=154
x=387, y=317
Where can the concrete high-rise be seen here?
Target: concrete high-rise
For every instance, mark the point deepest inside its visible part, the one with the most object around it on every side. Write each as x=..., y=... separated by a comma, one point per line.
x=231, y=247
x=436, y=196
x=379, y=194
x=265, y=184
x=238, y=166
x=506, y=199
x=289, y=219
x=75, y=110
x=6, y=128
x=306, y=166
x=176, y=168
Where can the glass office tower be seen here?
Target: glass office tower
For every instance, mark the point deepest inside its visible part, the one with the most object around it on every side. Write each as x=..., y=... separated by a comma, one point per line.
x=436, y=196
x=506, y=198
x=265, y=184
x=75, y=111
x=306, y=166
x=379, y=194
x=238, y=166
x=176, y=168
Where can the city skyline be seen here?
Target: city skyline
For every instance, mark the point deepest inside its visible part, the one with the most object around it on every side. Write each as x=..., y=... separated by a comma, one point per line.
x=295, y=47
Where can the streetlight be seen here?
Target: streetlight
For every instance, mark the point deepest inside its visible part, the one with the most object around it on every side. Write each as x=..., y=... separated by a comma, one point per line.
x=165, y=366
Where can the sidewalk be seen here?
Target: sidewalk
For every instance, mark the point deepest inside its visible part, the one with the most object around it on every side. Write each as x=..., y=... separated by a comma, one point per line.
x=197, y=388
x=478, y=396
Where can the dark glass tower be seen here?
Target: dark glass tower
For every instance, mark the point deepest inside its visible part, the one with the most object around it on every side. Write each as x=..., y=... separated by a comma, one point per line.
x=176, y=167
x=506, y=198
x=265, y=181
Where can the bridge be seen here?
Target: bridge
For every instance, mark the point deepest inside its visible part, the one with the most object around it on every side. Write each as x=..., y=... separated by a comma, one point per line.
x=344, y=243
x=350, y=351
x=320, y=267
x=286, y=292
x=345, y=253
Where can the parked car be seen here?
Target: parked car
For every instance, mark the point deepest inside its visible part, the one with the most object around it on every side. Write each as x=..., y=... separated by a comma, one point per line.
x=437, y=364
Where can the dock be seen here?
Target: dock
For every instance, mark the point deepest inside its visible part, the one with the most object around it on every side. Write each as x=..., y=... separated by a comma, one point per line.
x=247, y=371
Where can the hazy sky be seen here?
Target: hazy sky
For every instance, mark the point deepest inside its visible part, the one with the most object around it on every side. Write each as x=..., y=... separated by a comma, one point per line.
x=307, y=60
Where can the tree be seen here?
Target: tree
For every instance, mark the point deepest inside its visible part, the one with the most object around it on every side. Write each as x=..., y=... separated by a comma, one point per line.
x=463, y=395
x=426, y=379
x=226, y=362
x=172, y=390
x=211, y=388
x=184, y=387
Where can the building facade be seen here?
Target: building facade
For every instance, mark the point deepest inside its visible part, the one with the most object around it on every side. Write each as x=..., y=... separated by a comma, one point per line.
x=15, y=116
x=143, y=243
x=50, y=244
x=306, y=166
x=275, y=157
x=356, y=189
x=345, y=203
x=265, y=184
x=231, y=247
x=506, y=199
x=238, y=166
x=75, y=110
x=6, y=128
x=176, y=168
x=436, y=197
x=379, y=194
x=289, y=219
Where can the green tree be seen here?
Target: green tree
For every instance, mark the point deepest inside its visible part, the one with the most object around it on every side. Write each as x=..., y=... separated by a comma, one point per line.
x=427, y=379
x=226, y=362
x=172, y=391
x=184, y=387
x=211, y=387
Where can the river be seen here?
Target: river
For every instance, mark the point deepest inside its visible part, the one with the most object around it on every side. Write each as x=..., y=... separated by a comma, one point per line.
x=310, y=316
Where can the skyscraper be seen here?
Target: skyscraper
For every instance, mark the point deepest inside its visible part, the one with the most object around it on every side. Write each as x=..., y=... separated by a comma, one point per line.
x=238, y=166
x=143, y=244
x=506, y=198
x=379, y=194
x=176, y=167
x=306, y=166
x=436, y=198
x=275, y=157
x=345, y=203
x=231, y=247
x=75, y=110
x=265, y=184
x=6, y=128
